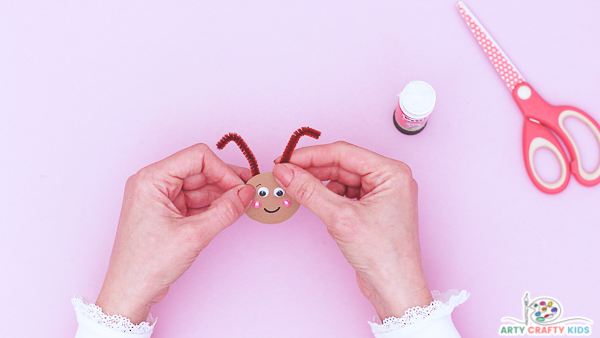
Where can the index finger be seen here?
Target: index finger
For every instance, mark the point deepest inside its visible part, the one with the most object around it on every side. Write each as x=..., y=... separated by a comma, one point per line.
x=197, y=181
x=347, y=156
x=195, y=160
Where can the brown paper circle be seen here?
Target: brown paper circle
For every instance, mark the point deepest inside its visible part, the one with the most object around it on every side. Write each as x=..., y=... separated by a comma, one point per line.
x=271, y=210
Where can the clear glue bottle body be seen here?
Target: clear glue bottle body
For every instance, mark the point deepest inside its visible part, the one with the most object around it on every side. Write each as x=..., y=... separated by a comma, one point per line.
x=415, y=104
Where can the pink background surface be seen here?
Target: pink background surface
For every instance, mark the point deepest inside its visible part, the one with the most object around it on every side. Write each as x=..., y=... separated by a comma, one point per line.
x=92, y=92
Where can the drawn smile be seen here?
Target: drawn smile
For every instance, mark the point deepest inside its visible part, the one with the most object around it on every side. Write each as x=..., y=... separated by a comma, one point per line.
x=270, y=212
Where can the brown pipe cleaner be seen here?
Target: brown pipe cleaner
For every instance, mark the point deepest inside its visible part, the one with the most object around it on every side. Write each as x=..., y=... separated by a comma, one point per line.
x=243, y=147
x=289, y=149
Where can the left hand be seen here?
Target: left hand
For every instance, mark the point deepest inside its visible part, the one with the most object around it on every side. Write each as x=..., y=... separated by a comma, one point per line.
x=171, y=211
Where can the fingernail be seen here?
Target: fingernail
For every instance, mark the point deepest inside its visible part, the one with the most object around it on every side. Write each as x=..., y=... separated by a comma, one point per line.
x=283, y=174
x=277, y=160
x=246, y=194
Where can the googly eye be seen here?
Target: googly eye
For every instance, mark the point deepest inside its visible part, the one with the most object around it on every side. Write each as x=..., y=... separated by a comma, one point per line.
x=278, y=192
x=263, y=192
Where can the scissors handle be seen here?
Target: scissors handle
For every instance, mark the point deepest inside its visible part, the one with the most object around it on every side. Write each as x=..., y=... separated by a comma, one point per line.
x=581, y=175
x=536, y=136
x=535, y=109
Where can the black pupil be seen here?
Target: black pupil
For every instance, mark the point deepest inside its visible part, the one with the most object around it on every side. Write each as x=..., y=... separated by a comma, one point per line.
x=279, y=193
x=262, y=193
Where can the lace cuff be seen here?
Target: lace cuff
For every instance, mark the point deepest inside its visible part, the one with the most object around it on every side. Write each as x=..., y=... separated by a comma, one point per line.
x=442, y=305
x=115, y=323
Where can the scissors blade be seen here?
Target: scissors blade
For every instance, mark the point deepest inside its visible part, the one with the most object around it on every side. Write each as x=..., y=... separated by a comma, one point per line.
x=504, y=67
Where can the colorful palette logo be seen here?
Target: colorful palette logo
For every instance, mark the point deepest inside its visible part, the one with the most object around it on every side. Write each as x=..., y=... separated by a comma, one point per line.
x=543, y=317
x=545, y=310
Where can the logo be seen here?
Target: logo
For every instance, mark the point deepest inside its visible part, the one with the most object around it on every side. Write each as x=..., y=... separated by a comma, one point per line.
x=410, y=119
x=543, y=317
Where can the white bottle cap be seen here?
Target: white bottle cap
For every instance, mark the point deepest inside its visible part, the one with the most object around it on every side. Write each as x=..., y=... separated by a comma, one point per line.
x=417, y=99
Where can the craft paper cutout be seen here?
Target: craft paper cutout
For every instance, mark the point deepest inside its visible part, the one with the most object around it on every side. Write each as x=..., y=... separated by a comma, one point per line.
x=271, y=204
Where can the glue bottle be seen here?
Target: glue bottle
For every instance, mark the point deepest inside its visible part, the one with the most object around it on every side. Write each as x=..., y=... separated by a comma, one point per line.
x=415, y=104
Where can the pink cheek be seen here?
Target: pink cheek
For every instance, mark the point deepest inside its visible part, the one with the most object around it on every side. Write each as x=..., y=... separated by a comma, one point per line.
x=286, y=203
x=256, y=204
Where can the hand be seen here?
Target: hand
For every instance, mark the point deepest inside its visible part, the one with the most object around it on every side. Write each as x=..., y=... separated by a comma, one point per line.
x=377, y=232
x=171, y=211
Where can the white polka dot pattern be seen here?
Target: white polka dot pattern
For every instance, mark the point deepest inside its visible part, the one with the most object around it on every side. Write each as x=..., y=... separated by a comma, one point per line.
x=505, y=68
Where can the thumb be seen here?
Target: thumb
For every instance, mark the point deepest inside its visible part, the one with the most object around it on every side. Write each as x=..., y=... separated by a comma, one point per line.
x=308, y=190
x=227, y=209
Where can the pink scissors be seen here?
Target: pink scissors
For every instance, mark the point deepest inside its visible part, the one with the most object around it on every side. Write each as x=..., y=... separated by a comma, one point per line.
x=540, y=117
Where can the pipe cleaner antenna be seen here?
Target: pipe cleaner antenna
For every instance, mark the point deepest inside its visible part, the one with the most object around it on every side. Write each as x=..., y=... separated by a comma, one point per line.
x=243, y=147
x=289, y=149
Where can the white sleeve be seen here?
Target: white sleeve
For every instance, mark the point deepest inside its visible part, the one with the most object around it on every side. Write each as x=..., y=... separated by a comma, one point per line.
x=93, y=323
x=433, y=320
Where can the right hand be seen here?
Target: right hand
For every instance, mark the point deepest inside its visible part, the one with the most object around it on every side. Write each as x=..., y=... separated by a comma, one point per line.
x=370, y=209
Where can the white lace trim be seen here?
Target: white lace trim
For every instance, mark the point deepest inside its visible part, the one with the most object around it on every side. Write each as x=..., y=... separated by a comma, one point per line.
x=115, y=322
x=442, y=305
